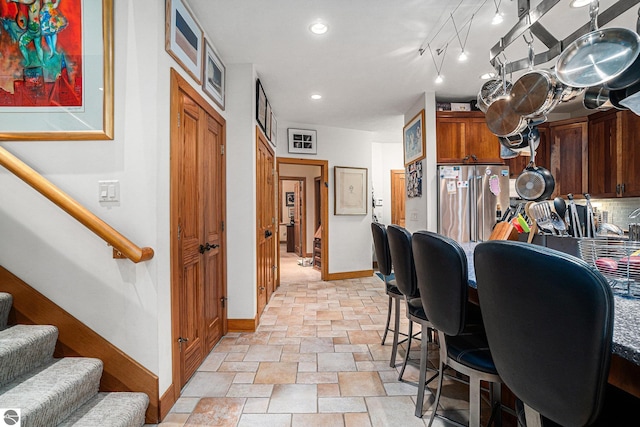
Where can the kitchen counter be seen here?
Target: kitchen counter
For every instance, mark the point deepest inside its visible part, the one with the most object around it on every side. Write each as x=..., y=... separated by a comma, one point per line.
x=625, y=373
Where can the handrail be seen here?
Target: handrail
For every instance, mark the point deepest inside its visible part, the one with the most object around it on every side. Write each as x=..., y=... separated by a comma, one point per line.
x=39, y=183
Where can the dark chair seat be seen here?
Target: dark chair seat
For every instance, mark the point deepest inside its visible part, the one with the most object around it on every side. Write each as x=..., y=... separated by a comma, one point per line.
x=472, y=350
x=393, y=289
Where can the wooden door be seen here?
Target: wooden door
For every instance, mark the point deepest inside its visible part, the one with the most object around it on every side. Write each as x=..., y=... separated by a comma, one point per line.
x=318, y=204
x=198, y=283
x=629, y=155
x=299, y=224
x=603, y=150
x=397, y=197
x=265, y=220
x=569, y=156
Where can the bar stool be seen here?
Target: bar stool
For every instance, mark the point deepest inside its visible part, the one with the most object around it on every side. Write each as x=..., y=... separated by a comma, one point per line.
x=441, y=268
x=381, y=245
x=405, y=271
x=550, y=329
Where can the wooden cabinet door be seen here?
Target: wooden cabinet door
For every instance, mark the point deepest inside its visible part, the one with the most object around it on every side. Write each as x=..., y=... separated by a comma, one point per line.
x=569, y=156
x=603, y=154
x=481, y=144
x=450, y=140
x=629, y=158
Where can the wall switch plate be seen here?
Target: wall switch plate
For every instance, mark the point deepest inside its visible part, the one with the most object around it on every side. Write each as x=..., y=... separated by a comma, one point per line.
x=378, y=202
x=109, y=191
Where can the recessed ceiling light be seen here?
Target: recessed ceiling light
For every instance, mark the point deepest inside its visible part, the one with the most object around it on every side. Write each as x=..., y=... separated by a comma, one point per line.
x=579, y=3
x=487, y=76
x=316, y=96
x=318, y=28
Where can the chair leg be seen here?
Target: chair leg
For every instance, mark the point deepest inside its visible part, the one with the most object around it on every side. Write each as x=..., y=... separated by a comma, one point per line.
x=406, y=356
x=386, y=327
x=439, y=392
x=424, y=355
x=474, y=402
x=396, y=332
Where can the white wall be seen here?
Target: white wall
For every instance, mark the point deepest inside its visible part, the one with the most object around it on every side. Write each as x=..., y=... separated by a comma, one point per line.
x=385, y=157
x=421, y=212
x=349, y=235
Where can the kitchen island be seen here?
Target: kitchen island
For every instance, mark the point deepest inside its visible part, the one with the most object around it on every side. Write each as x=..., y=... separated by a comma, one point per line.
x=624, y=372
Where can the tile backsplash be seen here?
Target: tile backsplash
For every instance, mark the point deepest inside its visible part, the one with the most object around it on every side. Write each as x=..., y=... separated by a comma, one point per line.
x=617, y=210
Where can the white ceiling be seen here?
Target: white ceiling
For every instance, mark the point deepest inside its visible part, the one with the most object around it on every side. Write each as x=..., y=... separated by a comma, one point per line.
x=367, y=66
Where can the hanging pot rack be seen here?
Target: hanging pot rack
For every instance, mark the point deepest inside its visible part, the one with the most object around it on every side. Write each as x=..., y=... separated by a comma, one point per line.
x=529, y=21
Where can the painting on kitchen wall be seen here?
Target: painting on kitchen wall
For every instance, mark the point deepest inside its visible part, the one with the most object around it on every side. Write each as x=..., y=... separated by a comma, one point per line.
x=350, y=191
x=50, y=88
x=414, y=139
x=184, y=38
x=414, y=179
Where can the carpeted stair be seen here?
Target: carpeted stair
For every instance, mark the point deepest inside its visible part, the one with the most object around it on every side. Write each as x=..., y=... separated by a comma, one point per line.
x=57, y=392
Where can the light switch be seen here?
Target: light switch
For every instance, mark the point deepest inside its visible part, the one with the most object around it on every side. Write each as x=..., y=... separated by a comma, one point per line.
x=108, y=191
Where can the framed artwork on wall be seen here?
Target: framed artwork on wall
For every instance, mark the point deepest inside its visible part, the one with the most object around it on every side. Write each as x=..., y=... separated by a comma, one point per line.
x=62, y=87
x=183, y=38
x=213, y=81
x=302, y=141
x=261, y=106
x=267, y=121
x=290, y=198
x=274, y=130
x=414, y=139
x=350, y=191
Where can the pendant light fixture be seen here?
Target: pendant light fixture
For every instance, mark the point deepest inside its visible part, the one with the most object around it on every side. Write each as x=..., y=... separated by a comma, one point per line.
x=497, y=18
x=440, y=78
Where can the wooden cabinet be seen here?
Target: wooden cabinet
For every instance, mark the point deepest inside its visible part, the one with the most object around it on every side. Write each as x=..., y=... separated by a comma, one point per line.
x=614, y=154
x=463, y=137
x=517, y=164
x=569, y=156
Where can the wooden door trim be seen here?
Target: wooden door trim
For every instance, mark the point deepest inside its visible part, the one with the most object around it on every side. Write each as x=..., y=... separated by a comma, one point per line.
x=324, y=190
x=179, y=84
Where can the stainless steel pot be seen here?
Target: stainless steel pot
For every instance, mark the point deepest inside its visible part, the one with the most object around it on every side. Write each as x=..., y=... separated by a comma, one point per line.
x=520, y=142
x=534, y=182
x=491, y=90
x=598, y=56
x=502, y=120
x=629, y=76
x=596, y=98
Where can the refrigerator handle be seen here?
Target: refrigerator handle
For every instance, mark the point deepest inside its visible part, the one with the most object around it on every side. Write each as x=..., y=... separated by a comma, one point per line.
x=480, y=214
x=473, y=210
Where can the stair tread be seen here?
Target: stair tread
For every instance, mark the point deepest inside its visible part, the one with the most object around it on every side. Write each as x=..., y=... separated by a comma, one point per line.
x=6, y=301
x=25, y=347
x=50, y=393
x=121, y=409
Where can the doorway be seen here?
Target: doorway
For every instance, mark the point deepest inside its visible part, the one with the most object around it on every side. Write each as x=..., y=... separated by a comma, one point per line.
x=312, y=193
x=397, y=197
x=293, y=214
x=198, y=240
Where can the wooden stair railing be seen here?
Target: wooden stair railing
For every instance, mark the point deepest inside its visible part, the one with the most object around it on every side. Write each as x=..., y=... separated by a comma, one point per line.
x=121, y=245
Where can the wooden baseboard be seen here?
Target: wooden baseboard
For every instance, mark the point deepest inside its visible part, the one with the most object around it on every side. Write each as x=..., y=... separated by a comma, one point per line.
x=167, y=400
x=349, y=275
x=242, y=325
x=120, y=372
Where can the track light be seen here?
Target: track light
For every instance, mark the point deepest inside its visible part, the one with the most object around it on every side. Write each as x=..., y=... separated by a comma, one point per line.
x=439, y=79
x=497, y=18
x=462, y=57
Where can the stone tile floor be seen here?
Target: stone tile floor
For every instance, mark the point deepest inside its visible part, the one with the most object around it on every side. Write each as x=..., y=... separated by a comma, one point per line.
x=315, y=360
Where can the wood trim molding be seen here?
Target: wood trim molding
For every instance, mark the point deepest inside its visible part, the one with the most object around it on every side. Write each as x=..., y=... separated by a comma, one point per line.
x=242, y=325
x=120, y=373
x=350, y=275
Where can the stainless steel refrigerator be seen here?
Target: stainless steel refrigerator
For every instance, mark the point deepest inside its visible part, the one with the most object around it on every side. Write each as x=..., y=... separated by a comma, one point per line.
x=468, y=199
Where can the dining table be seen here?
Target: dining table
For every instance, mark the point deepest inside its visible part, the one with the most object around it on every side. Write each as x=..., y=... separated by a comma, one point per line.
x=624, y=371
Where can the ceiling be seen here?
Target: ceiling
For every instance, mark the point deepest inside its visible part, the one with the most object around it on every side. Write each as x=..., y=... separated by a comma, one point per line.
x=368, y=67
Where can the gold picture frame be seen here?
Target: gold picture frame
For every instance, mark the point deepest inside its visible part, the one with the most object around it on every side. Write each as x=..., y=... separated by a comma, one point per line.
x=413, y=139
x=93, y=120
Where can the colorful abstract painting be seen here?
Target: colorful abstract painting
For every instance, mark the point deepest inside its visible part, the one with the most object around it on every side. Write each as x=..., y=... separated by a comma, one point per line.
x=41, y=54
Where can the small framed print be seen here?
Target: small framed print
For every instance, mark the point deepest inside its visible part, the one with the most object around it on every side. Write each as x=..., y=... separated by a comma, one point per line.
x=414, y=139
x=274, y=130
x=350, y=191
x=267, y=121
x=302, y=141
x=213, y=82
x=184, y=38
x=290, y=198
x=261, y=106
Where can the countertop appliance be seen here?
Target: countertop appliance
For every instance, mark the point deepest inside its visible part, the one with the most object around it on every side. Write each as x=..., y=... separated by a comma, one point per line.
x=468, y=198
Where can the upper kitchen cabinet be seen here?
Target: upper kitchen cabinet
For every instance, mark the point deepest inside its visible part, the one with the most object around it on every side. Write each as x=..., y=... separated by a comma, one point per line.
x=569, y=156
x=517, y=164
x=463, y=137
x=614, y=154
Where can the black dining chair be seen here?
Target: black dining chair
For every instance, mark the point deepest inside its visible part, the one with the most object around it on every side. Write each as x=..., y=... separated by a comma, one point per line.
x=405, y=271
x=383, y=256
x=549, y=321
x=441, y=268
